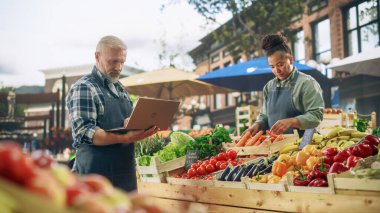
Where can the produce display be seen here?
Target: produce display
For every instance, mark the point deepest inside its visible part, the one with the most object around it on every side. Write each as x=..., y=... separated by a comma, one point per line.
x=38, y=175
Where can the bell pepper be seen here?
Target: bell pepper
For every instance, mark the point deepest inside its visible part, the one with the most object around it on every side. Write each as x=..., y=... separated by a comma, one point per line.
x=363, y=150
x=273, y=179
x=284, y=158
x=301, y=158
x=309, y=149
x=260, y=178
x=320, y=170
x=301, y=179
x=279, y=168
x=342, y=156
x=311, y=162
x=338, y=168
x=318, y=182
x=330, y=151
x=352, y=160
x=328, y=160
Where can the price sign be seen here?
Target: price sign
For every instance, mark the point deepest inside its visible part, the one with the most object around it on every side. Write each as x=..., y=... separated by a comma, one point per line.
x=191, y=157
x=307, y=138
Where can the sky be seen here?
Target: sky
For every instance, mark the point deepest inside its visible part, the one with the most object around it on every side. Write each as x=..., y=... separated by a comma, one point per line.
x=43, y=34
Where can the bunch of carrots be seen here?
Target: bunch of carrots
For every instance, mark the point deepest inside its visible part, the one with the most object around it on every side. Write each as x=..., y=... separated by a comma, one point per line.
x=256, y=140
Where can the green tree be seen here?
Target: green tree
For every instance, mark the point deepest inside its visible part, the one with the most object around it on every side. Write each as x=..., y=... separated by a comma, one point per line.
x=251, y=20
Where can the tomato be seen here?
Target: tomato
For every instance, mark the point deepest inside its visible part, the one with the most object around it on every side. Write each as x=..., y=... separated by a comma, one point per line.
x=213, y=157
x=195, y=178
x=232, y=162
x=217, y=164
x=206, y=162
x=223, y=166
x=177, y=176
x=185, y=176
x=213, y=161
x=199, y=163
x=191, y=172
x=240, y=161
x=201, y=171
x=210, y=168
x=41, y=159
x=194, y=165
x=222, y=156
x=232, y=154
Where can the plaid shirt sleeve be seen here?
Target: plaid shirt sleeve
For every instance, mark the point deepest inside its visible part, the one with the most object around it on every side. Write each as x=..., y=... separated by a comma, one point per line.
x=83, y=103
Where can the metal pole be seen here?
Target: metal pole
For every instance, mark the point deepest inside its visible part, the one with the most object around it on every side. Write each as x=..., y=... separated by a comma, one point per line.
x=63, y=101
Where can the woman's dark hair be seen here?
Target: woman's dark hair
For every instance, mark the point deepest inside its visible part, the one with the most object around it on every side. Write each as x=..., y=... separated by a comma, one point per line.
x=273, y=43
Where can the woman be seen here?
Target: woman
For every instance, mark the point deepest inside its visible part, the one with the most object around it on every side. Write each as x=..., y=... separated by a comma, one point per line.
x=292, y=100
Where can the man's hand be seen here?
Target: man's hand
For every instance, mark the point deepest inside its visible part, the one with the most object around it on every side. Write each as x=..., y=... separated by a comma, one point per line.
x=253, y=129
x=282, y=125
x=136, y=135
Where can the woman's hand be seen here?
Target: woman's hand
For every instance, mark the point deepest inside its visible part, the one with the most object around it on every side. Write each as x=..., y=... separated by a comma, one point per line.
x=253, y=129
x=282, y=125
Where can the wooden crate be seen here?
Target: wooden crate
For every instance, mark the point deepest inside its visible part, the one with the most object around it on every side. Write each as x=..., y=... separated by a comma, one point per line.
x=265, y=148
x=346, y=180
x=181, y=181
x=328, y=190
x=246, y=112
x=157, y=171
x=282, y=186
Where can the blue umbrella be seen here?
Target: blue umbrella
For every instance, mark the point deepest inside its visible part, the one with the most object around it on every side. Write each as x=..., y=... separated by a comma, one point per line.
x=253, y=75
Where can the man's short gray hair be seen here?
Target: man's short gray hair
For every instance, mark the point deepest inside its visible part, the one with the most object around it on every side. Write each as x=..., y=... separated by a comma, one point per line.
x=112, y=42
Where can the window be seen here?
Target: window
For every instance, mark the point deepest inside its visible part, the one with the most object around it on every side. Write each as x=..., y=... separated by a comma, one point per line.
x=215, y=58
x=316, y=5
x=361, y=27
x=299, y=47
x=218, y=101
x=322, y=44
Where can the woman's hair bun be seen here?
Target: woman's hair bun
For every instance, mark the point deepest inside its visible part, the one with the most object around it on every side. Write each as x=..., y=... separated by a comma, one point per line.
x=271, y=41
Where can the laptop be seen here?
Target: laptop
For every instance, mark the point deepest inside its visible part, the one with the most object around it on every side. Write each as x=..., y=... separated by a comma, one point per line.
x=150, y=112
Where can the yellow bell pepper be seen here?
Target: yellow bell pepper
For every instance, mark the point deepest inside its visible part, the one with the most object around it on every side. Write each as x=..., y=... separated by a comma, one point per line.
x=273, y=179
x=301, y=158
x=311, y=162
x=260, y=178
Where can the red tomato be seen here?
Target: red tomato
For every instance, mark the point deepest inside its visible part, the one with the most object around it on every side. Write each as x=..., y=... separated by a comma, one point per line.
x=232, y=162
x=213, y=161
x=194, y=165
x=232, y=154
x=201, y=171
x=223, y=166
x=199, y=163
x=195, y=178
x=191, y=173
x=210, y=168
x=222, y=156
x=177, y=176
x=185, y=176
x=213, y=157
x=240, y=161
x=206, y=162
x=217, y=165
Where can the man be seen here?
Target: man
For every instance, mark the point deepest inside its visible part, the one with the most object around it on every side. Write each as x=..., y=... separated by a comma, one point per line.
x=98, y=102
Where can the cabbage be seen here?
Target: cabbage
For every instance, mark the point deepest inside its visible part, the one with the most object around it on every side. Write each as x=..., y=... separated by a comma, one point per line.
x=180, y=138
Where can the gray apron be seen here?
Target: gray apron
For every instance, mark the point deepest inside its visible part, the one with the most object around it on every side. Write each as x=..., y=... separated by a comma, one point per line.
x=116, y=162
x=280, y=104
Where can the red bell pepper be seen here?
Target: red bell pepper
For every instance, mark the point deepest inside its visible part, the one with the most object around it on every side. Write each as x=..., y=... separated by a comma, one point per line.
x=371, y=139
x=374, y=148
x=352, y=160
x=328, y=160
x=330, y=151
x=338, y=167
x=363, y=150
x=301, y=179
x=342, y=156
x=318, y=182
x=320, y=170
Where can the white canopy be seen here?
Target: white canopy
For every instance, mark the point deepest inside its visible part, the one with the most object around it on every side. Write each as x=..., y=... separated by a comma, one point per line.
x=367, y=63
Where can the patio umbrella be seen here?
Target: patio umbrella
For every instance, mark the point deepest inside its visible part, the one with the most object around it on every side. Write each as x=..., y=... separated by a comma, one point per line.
x=367, y=63
x=169, y=83
x=253, y=75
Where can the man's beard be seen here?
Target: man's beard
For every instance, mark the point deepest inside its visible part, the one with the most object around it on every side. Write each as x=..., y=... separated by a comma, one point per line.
x=113, y=79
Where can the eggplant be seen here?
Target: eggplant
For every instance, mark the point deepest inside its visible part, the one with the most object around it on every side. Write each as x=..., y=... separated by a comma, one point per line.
x=258, y=168
x=272, y=159
x=224, y=173
x=247, y=169
x=249, y=173
x=240, y=173
x=233, y=173
x=266, y=170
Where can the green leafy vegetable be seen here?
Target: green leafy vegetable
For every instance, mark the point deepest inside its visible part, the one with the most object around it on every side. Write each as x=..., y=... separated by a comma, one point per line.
x=149, y=146
x=144, y=160
x=180, y=138
x=376, y=131
x=361, y=124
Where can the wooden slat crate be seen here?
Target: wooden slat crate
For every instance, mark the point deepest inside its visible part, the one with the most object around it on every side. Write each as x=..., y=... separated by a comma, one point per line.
x=181, y=181
x=246, y=112
x=157, y=171
x=292, y=188
x=282, y=186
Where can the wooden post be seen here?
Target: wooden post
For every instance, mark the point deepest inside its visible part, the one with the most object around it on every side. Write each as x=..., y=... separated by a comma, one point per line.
x=373, y=120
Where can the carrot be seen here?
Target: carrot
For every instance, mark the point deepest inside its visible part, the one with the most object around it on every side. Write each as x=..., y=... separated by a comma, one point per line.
x=243, y=139
x=254, y=139
x=280, y=137
x=271, y=134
